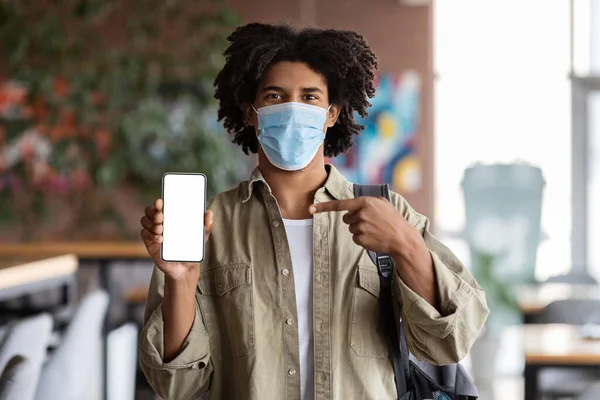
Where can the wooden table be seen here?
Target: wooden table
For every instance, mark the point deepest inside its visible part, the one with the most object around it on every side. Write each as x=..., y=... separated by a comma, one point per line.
x=533, y=298
x=20, y=276
x=102, y=253
x=556, y=345
x=83, y=250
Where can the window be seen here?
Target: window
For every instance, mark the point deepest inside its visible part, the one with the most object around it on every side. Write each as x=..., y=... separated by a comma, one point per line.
x=502, y=94
x=586, y=136
x=593, y=192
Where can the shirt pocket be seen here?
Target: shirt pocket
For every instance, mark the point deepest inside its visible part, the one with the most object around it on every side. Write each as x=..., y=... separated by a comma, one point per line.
x=227, y=308
x=367, y=338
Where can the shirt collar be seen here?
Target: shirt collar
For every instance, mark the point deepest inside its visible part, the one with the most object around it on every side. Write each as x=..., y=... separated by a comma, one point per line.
x=336, y=185
x=247, y=186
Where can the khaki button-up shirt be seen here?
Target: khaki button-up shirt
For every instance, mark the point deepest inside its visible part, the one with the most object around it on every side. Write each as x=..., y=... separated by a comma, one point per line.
x=242, y=344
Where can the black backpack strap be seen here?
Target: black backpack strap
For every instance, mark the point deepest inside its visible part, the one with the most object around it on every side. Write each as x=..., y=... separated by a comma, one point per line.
x=383, y=261
x=385, y=265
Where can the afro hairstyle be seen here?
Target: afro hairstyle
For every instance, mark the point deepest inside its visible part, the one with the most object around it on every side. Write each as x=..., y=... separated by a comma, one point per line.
x=343, y=58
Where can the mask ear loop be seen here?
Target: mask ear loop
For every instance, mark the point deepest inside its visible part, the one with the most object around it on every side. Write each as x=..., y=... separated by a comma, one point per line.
x=252, y=105
x=326, y=111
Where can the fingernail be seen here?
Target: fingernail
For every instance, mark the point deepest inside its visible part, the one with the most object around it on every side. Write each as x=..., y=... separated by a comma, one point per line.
x=312, y=209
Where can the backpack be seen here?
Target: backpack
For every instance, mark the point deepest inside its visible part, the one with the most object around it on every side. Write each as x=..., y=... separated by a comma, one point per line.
x=415, y=380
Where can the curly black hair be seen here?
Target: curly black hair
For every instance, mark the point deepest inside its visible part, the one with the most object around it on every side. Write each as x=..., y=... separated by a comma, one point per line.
x=342, y=57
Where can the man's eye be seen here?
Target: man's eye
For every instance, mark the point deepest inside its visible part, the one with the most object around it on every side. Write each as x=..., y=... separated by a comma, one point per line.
x=310, y=97
x=273, y=96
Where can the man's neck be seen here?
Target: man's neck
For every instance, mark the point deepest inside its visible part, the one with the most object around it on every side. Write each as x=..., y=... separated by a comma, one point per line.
x=294, y=190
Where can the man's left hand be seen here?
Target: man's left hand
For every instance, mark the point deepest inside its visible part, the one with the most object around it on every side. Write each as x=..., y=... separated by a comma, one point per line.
x=375, y=224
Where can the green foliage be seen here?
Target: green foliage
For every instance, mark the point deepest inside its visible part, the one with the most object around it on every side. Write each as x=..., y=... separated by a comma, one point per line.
x=500, y=295
x=160, y=137
x=91, y=71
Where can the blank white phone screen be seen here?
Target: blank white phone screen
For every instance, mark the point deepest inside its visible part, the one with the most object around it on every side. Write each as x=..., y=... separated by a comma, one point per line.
x=183, y=224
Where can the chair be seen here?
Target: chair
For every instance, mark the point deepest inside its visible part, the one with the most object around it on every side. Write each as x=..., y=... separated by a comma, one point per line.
x=74, y=370
x=575, y=278
x=3, y=334
x=135, y=300
x=16, y=379
x=591, y=393
x=570, y=311
x=568, y=382
x=29, y=339
x=122, y=362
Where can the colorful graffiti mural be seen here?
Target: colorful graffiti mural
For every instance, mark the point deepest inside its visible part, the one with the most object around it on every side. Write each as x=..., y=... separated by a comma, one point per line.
x=385, y=151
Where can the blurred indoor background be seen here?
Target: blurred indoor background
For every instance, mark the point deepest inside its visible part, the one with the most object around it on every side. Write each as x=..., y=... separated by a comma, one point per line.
x=486, y=118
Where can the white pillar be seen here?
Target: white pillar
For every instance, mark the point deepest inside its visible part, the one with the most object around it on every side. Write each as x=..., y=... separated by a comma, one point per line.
x=595, y=37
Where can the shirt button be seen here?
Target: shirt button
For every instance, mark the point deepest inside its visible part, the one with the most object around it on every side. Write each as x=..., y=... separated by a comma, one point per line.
x=275, y=224
x=291, y=371
x=289, y=321
x=285, y=272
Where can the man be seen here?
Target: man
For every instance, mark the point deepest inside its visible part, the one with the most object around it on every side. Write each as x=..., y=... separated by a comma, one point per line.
x=285, y=303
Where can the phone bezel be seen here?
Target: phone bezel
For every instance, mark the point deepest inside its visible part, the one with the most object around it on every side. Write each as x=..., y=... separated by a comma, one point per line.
x=203, y=224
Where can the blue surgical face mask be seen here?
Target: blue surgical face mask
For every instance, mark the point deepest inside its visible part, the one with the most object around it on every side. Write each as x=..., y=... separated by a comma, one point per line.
x=291, y=133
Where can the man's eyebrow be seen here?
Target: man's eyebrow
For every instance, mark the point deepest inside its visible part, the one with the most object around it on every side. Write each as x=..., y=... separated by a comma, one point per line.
x=312, y=90
x=272, y=89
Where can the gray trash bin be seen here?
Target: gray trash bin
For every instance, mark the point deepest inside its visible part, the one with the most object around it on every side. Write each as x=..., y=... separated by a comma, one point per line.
x=503, y=205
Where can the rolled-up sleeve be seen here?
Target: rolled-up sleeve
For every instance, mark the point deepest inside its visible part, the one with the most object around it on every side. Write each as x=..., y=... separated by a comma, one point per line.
x=446, y=334
x=188, y=374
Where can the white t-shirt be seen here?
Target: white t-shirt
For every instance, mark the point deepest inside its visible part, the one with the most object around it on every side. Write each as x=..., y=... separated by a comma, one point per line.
x=300, y=238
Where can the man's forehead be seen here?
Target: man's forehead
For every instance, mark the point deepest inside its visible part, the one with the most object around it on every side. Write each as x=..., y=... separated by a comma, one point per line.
x=292, y=75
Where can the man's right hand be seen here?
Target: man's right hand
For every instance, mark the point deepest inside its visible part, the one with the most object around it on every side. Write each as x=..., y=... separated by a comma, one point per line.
x=152, y=236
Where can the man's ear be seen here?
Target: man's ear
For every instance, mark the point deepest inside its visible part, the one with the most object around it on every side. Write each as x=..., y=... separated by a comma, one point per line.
x=250, y=115
x=333, y=115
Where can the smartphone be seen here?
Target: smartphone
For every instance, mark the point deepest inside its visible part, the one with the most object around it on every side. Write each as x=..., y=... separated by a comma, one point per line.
x=184, y=204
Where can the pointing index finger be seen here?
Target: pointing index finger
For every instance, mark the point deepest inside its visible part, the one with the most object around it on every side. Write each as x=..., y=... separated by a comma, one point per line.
x=336, y=205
